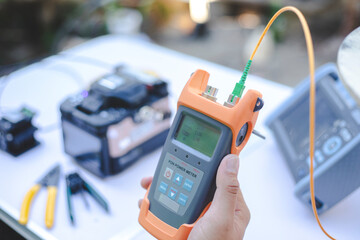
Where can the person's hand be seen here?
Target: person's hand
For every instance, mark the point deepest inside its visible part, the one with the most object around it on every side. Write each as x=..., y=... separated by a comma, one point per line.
x=228, y=215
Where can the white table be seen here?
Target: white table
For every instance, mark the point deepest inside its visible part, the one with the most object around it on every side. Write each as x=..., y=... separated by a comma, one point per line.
x=265, y=180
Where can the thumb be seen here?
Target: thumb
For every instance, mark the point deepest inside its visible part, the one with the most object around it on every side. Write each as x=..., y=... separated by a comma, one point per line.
x=227, y=188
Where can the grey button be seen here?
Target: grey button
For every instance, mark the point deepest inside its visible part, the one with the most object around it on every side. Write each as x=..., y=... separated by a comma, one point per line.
x=356, y=115
x=332, y=145
x=319, y=157
x=169, y=203
x=345, y=134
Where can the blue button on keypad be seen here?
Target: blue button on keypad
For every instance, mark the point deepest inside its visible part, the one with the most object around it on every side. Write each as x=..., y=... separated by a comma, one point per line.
x=178, y=179
x=182, y=199
x=172, y=193
x=163, y=187
x=188, y=184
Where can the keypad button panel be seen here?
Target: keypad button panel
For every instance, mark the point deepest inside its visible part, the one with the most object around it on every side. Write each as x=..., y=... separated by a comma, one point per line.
x=177, y=184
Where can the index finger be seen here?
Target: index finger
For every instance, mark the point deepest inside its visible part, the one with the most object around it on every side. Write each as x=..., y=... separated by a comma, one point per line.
x=145, y=182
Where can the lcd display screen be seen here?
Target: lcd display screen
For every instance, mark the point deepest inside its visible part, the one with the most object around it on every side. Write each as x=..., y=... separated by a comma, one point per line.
x=198, y=134
x=296, y=120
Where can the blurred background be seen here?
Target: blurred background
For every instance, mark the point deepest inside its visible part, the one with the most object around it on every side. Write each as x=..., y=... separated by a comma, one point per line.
x=221, y=31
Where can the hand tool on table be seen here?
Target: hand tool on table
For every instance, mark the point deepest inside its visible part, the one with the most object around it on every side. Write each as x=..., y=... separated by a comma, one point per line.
x=75, y=184
x=50, y=181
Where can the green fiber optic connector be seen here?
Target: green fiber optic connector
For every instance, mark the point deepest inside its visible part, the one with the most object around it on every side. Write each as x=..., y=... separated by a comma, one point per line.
x=27, y=112
x=240, y=86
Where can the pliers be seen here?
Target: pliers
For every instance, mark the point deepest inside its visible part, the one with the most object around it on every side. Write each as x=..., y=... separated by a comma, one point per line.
x=50, y=180
x=75, y=184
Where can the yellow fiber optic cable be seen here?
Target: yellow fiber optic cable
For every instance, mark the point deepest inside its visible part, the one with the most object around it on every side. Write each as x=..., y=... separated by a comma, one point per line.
x=310, y=51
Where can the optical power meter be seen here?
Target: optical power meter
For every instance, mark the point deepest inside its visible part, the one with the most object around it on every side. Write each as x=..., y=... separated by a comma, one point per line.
x=202, y=133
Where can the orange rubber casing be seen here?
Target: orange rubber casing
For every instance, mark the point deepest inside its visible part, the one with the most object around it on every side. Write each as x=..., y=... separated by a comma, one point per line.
x=234, y=118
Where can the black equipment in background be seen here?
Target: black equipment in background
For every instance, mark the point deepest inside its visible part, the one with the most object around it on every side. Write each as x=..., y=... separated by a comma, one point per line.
x=17, y=132
x=123, y=116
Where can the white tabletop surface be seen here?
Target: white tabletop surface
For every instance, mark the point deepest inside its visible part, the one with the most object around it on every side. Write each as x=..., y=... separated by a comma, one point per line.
x=264, y=178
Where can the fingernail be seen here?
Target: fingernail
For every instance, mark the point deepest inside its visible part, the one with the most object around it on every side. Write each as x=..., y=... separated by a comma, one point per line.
x=232, y=164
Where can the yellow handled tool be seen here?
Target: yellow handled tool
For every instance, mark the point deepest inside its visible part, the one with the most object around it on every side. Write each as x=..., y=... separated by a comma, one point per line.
x=50, y=180
x=50, y=207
